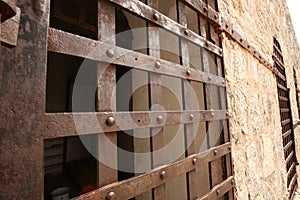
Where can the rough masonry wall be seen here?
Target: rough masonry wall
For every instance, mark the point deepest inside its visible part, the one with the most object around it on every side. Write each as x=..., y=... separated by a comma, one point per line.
x=257, y=153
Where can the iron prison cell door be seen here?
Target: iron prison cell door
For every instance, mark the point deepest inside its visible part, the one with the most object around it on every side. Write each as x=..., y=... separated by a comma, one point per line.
x=136, y=101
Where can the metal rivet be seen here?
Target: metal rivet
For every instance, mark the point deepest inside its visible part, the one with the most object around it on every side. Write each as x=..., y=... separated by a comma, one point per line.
x=163, y=174
x=155, y=16
x=111, y=196
x=218, y=192
x=188, y=72
x=212, y=114
x=110, y=121
x=186, y=32
x=157, y=64
x=209, y=78
x=216, y=152
x=232, y=182
x=194, y=161
x=160, y=119
x=229, y=147
x=216, y=16
x=205, y=9
x=191, y=117
x=220, y=51
x=206, y=44
x=223, y=81
x=110, y=53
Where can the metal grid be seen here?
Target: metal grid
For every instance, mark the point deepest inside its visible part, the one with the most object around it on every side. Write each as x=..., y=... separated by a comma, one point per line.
x=286, y=120
x=217, y=157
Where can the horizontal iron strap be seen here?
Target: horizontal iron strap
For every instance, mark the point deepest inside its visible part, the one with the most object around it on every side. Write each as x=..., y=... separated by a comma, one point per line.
x=294, y=179
x=286, y=147
x=286, y=134
x=204, y=9
x=139, y=8
x=285, y=122
x=70, y=44
x=283, y=98
x=290, y=157
x=278, y=62
x=72, y=124
x=279, y=74
x=291, y=169
x=282, y=87
x=233, y=34
x=219, y=190
x=133, y=187
x=284, y=110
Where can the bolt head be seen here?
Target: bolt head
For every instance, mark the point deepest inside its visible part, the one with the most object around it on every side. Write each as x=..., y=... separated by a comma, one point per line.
x=110, y=121
x=209, y=78
x=229, y=147
x=110, y=53
x=218, y=192
x=224, y=81
x=191, y=117
x=212, y=114
x=205, y=9
x=194, y=161
x=155, y=16
x=215, y=152
x=186, y=32
x=111, y=196
x=188, y=72
x=206, y=44
x=163, y=174
x=160, y=119
x=232, y=182
x=216, y=16
x=157, y=64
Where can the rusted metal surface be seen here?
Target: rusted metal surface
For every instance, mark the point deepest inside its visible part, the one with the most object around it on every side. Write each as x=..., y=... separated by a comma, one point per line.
x=71, y=124
x=206, y=10
x=188, y=102
x=96, y=50
x=147, y=12
x=132, y=187
x=106, y=100
x=10, y=29
x=286, y=119
x=8, y=8
x=219, y=190
x=233, y=34
x=22, y=71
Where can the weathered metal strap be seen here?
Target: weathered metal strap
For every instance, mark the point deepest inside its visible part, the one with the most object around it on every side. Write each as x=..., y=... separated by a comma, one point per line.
x=290, y=171
x=294, y=179
x=72, y=124
x=67, y=43
x=207, y=11
x=150, y=14
x=219, y=190
x=133, y=187
x=286, y=147
x=233, y=34
x=291, y=155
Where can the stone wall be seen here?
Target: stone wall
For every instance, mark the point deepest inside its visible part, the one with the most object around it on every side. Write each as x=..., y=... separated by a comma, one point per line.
x=255, y=127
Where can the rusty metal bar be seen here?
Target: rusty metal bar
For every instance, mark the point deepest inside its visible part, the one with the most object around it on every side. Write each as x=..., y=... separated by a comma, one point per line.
x=150, y=14
x=286, y=134
x=291, y=185
x=286, y=147
x=233, y=34
x=188, y=102
x=285, y=122
x=105, y=98
x=291, y=169
x=140, y=184
x=96, y=50
x=219, y=190
x=205, y=10
x=291, y=155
